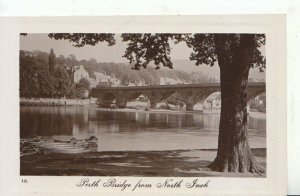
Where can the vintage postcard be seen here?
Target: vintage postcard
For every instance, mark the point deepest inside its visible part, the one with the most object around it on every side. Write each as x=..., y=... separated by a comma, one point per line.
x=173, y=105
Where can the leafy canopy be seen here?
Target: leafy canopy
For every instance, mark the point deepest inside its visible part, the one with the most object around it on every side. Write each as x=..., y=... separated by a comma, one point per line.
x=144, y=48
x=82, y=39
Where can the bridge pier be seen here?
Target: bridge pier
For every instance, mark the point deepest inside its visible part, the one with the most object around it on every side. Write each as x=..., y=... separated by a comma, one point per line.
x=121, y=103
x=152, y=105
x=189, y=107
x=188, y=93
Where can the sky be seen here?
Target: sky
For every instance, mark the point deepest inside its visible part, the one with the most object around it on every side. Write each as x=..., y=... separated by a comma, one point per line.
x=100, y=52
x=103, y=53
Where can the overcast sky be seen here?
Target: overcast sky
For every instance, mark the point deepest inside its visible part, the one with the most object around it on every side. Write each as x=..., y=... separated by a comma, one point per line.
x=103, y=53
x=100, y=52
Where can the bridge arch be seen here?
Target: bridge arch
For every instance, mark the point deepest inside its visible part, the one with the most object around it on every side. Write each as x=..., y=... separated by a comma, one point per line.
x=107, y=99
x=138, y=100
x=254, y=93
x=190, y=94
x=175, y=100
x=209, y=101
x=156, y=97
x=109, y=96
x=193, y=96
x=133, y=96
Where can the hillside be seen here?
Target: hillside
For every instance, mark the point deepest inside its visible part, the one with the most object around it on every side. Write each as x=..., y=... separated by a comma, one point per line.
x=184, y=70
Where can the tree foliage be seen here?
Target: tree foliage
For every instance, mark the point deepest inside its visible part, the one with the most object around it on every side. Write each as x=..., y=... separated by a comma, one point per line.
x=63, y=81
x=60, y=84
x=82, y=39
x=83, y=83
x=80, y=89
x=36, y=80
x=52, y=60
x=144, y=48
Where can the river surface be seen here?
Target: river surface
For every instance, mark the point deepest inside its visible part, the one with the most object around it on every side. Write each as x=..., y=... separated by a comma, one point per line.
x=125, y=130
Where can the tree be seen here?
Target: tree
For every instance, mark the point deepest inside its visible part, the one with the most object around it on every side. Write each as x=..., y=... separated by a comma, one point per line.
x=46, y=83
x=63, y=81
x=81, y=88
x=52, y=60
x=60, y=60
x=35, y=78
x=84, y=84
x=92, y=61
x=235, y=54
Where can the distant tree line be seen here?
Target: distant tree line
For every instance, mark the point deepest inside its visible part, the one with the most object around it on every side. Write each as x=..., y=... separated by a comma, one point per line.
x=44, y=74
x=126, y=74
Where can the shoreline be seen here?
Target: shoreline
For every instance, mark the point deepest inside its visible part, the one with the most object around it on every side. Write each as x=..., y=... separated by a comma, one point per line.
x=94, y=106
x=57, y=102
x=91, y=103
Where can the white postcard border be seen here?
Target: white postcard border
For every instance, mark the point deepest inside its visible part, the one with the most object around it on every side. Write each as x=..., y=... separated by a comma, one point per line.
x=273, y=25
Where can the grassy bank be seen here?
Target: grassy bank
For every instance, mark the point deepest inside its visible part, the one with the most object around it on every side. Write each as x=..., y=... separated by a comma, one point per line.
x=175, y=163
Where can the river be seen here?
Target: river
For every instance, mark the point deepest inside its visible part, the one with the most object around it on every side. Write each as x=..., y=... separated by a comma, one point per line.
x=125, y=130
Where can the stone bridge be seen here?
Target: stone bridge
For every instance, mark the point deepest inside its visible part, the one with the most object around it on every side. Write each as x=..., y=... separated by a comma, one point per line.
x=190, y=94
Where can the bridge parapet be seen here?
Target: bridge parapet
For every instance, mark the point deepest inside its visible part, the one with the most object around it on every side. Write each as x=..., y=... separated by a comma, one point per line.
x=188, y=93
x=205, y=85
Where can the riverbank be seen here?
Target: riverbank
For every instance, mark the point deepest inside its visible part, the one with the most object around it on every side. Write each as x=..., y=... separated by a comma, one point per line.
x=175, y=163
x=165, y=111
x=92, y=102
x=55, y=102
x=147, y=111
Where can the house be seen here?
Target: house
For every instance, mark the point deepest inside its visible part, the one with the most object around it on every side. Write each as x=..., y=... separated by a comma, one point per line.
x=92, y=82
x=114, y=81
x=80, y=73
x=105, y=80
x=170, y=81
x=131, y=84
x=140, y=83
x=101, y=77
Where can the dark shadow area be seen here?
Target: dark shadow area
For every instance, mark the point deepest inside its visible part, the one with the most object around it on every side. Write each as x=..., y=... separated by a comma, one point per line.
x=122, y=163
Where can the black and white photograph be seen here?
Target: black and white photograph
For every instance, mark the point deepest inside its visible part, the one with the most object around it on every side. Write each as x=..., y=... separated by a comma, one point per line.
x=143, y=104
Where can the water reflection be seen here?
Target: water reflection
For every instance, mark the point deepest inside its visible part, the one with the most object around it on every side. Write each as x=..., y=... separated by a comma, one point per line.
x=83, y=122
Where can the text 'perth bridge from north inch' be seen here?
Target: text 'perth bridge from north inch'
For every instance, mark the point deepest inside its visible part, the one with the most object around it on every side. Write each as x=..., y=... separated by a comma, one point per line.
x=190, y=94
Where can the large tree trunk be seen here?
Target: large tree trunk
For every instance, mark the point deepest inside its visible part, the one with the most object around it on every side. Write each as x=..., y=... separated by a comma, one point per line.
x=234, y=153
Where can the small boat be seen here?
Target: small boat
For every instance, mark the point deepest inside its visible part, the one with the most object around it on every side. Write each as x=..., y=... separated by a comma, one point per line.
x=48, y=145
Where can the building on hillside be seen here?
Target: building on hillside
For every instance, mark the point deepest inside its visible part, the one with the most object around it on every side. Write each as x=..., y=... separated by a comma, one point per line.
x=131, y=84
x=106, y=80
x=93, y=82
x=114, y=81
x=80, y=73
x=171, y=81
x=180, y=81
x=167, y=81
x=101, y=77
x=140, y=83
